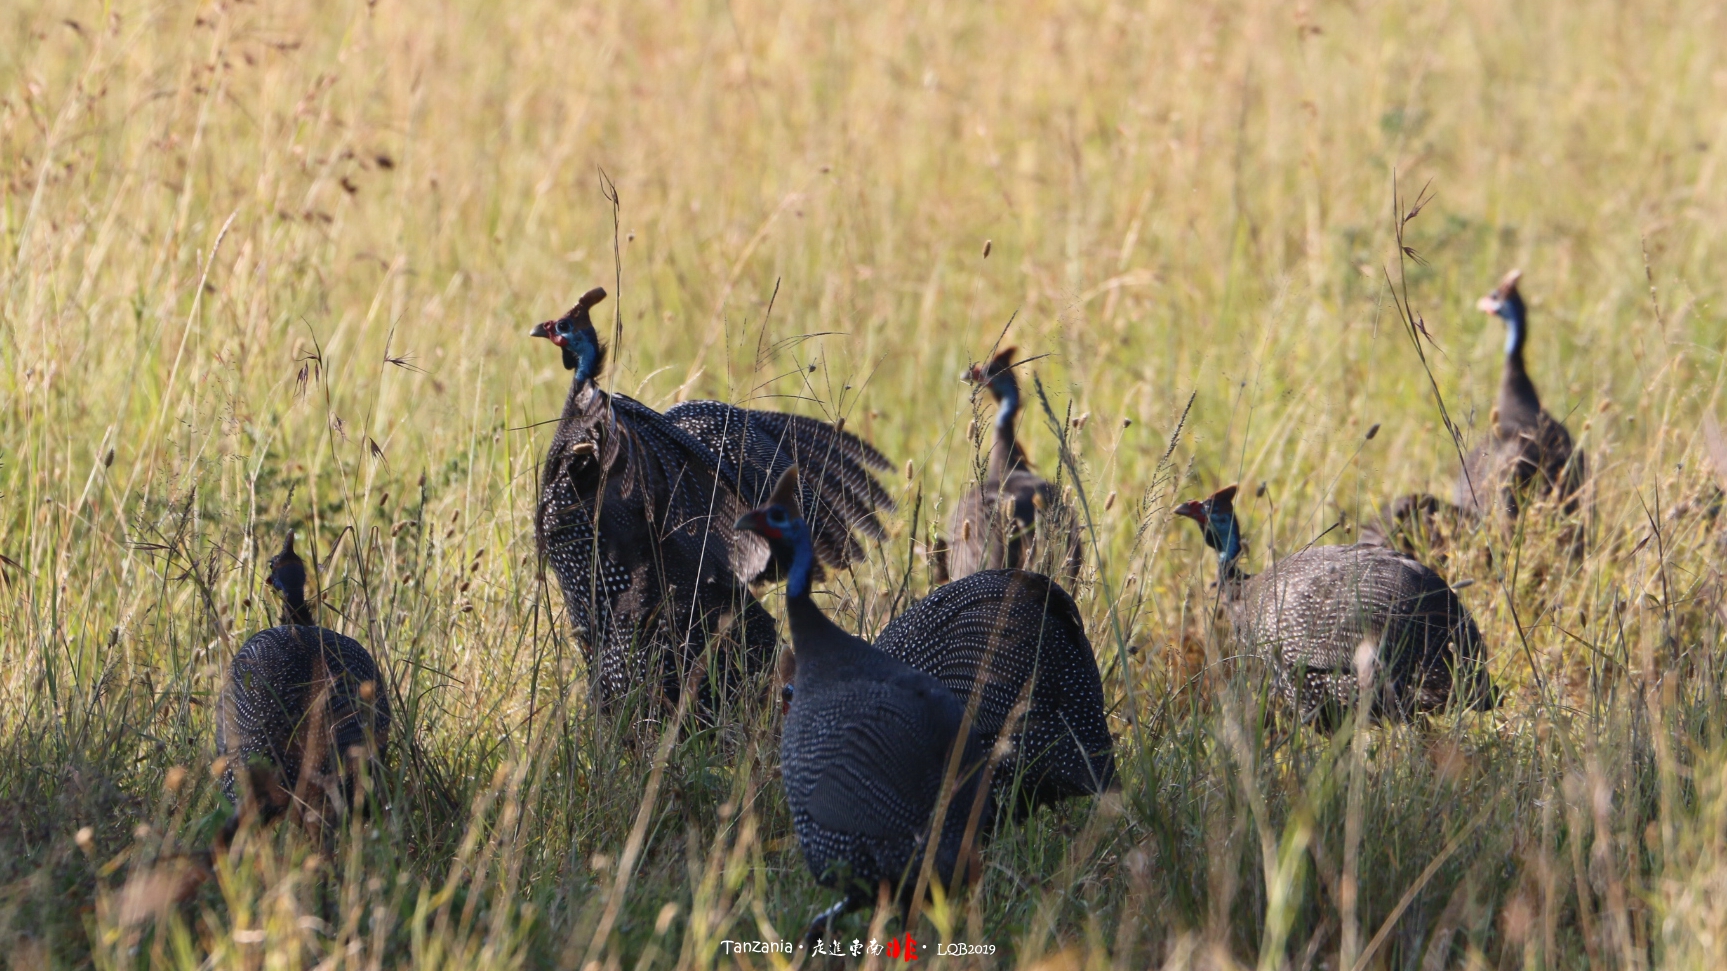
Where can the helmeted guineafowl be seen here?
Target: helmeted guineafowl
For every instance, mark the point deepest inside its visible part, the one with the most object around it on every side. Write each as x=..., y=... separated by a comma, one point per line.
x=1312, y=611
x=866, y=750
x=300, y=707
x=634, y=513
x=633, y=517
x=1528, y=453
x=995, y=632
x=1014, y=518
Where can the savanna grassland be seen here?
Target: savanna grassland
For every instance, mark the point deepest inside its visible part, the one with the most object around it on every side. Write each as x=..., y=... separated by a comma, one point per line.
x=271, y=265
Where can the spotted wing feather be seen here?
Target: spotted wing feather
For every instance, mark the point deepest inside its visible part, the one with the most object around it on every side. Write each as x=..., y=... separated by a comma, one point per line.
x=266, y=707
x=1312, y=612
x=1004, y=635
x=863, y=760
x=839, y=493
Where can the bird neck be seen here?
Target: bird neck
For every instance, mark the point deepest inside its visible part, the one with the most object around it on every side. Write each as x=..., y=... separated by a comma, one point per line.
x=1516, y=318
x=295, y=609
x=1004, y=451
x=1230, y=575
x=583, y=355
x=1226, y=534
x=585, y=359
x=800, y=572
x=578, y=400
x=1007, y=399
x=816, y=639
x=1519, y=404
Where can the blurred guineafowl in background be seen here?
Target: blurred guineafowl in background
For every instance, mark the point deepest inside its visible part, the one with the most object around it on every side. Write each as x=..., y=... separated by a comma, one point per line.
x=301, y=707
x=1528, y=453
x=635, y=512
x=1711, y=504
x=1014, y=518
x=867, y=749
x=1011, y=635
x=1418, y=524
x=1311, y=613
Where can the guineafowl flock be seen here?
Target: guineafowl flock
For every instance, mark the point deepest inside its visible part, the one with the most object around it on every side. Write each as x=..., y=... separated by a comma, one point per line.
x=977, y=705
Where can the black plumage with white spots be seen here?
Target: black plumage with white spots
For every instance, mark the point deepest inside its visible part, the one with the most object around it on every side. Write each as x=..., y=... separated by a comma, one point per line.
x=299, y=707
x=635, y=518
x=866, y=750
x=1322, y=615
x=1010, y=635
x=839, y=491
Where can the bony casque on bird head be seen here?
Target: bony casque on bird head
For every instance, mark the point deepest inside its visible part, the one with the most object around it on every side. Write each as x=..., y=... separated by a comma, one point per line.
x=1216, y=518
x=1507, y=304
x=574, y=332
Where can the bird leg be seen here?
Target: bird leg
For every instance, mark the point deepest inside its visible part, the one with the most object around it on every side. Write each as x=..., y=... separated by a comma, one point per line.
x=824, y=921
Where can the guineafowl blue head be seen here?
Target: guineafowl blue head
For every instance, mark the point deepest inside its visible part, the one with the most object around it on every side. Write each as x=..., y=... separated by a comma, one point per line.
x=1216, y=518
x=1507, y=304
x=780, y=521
x=288, y=576
x=574, y=332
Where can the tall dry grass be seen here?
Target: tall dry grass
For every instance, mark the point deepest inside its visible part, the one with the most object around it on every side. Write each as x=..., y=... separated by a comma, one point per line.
x=271, y=265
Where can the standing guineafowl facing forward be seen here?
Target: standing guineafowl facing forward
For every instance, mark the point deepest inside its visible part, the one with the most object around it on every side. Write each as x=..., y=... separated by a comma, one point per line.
x=302, y=707
x=1528, y=453
x=867, y=749
x=1015, y=518
x=635, y=512
x=1311, y=613
x=633, y=517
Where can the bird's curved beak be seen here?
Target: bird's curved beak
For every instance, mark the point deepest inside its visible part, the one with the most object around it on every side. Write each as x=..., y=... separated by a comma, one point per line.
x=1194, y=510
x=749, y=522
